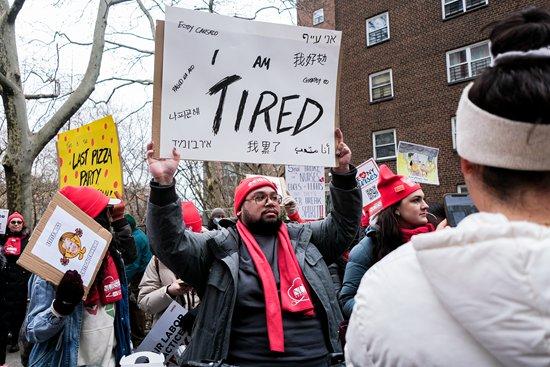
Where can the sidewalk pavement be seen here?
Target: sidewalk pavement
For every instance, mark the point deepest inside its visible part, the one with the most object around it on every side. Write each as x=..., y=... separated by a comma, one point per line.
x=13, y=360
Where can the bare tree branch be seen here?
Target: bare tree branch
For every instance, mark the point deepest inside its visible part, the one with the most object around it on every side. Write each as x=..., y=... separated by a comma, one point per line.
x=84, y=89
x=149, y=17
x=41, y=96
x=258, y=11
x=130, y=47
x=14, y=10
x=8, y=86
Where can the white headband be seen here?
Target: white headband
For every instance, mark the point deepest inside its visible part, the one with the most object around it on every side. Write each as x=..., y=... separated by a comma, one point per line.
x=490, y=140
x=543, y=52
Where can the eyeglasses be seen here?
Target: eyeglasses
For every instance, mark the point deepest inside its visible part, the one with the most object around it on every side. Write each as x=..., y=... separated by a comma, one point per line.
x=261, y=198
x=16, y=222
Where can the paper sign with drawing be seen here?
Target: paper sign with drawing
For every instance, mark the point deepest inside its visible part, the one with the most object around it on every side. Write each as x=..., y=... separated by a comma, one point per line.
x=65, y=239
x=418, y=162
x=246, y=91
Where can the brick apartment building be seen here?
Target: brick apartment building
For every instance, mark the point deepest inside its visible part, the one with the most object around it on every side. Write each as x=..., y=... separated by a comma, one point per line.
x=404, y=64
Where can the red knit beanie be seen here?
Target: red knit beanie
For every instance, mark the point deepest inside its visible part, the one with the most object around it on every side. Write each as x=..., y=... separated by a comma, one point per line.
x=91, y=201
x=247, y=185
x=16, y=215
x=191, y=216
x=394, y=188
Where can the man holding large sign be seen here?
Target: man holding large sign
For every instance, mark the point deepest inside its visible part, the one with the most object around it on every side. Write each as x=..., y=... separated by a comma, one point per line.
x=241, y=91
x=267, y=296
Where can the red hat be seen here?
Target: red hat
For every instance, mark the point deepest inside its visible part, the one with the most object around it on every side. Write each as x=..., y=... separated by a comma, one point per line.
x=247, y=185
x=394, y=188
x=16, y=215
x=191, y=216
x=91, y=201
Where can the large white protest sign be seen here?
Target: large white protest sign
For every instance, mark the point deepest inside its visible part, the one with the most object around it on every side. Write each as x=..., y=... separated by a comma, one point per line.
x=4, y=213
x=246, y=91
x=167, y=334
x=306, y=184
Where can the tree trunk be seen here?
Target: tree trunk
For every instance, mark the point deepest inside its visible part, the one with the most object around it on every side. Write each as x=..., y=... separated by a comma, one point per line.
x=19, y=193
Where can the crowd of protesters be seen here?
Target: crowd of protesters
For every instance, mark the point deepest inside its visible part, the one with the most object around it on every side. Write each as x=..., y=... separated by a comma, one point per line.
x=263, y=291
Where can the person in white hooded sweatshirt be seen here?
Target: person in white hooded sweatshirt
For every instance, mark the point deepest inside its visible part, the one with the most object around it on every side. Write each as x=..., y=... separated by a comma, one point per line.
x=477, y=294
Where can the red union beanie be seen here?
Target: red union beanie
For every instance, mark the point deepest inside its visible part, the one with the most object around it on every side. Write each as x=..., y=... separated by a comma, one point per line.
x=16, y=215
x=191, y=217
x=394, y=188
x=91, y=201
x=247, y=185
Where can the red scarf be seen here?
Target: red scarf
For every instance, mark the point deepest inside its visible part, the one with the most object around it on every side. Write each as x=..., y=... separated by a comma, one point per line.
x=106, y=287
x=406, y=234
x=294, y=289
x=12, y=247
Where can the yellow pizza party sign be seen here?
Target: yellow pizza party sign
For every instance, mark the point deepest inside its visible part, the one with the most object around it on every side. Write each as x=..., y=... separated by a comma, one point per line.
x=90, y=156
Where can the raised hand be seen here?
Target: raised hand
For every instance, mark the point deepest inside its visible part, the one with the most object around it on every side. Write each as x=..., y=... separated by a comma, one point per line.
x=290, y=204
x=343, y=153
x=162, y=169
x=118, y=209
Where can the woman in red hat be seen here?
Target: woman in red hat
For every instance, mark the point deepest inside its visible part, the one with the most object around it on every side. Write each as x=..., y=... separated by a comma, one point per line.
x=403, y=214
x=13, y=294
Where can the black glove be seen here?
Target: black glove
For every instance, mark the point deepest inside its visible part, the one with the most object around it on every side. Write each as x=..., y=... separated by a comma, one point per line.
x=69, y=293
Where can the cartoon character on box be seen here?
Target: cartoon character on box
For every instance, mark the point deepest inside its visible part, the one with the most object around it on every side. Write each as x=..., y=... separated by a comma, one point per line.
x=70, y=246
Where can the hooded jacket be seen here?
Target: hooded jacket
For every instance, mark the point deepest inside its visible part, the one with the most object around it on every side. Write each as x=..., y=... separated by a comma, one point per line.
x=474, y=295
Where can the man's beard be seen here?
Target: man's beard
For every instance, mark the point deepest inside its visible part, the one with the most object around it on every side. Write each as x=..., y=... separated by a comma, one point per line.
x=262, y=226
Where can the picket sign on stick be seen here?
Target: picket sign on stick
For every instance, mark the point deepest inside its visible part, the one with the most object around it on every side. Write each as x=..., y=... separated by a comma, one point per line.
x=228, y=89
x=65, y=238
x=306, y=184
x=90, y=156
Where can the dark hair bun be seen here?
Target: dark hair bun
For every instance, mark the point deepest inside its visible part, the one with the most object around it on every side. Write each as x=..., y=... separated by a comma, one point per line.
x=523, y=31
x=517, y=88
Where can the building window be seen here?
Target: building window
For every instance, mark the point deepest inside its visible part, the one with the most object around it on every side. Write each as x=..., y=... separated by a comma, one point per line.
x=453, y=131
x=467, y=62
x=318, y=16
x=454, y=7
x=381, y=85
x=378, y=29
x=384, y=144
x=462, y=189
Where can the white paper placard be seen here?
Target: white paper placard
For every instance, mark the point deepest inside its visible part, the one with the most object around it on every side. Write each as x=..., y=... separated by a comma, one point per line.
x=306, y=184
x=167, y=334
x=67, y=244
x=367, y=178
x=246, y=91
x=4, y=214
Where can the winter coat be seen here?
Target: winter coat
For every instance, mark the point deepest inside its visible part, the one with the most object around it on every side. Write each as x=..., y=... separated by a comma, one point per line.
x=474, y=295
x=210, y=262
x=153, y=297
x=361, y=258
x=143, y=250
x=13, y=295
